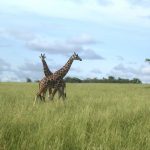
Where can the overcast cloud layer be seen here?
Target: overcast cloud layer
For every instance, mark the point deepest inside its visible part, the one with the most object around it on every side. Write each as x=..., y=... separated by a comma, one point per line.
x=111, y=36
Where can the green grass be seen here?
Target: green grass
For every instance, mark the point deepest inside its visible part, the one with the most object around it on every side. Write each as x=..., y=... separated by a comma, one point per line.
x=94, y=117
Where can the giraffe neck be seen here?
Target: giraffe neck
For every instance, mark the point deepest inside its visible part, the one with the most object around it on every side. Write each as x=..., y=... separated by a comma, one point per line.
x=64, y=70
x=47, y=72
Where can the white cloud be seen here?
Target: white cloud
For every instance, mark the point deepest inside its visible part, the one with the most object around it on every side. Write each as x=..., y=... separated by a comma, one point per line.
x=65, y=48
x=141, y=3
x=11, y=76
x=91, y=55
x=124, y=69
x=145, y=70
x=109, y=11
x=47, y=44
x=142, y=72
x=52, y=47
x=4, y=66
x=105, y=2
x=83, y=39
x=96, y=71
x=100, y=14
x=16, y=33
x=120, y=58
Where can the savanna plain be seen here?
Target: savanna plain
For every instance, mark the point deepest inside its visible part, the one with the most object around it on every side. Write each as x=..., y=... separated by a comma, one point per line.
x=93, y=117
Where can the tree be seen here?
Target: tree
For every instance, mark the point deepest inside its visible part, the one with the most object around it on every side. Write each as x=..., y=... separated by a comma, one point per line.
x=135, y=80
x=73, y=80
x=147, y=59
x=111, y=78
x=28, y=80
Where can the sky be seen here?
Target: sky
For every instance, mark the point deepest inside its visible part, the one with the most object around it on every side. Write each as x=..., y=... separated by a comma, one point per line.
x=111, y=36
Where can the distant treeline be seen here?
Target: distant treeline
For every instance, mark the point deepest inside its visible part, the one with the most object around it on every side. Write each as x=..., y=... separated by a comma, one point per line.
x=110, y=79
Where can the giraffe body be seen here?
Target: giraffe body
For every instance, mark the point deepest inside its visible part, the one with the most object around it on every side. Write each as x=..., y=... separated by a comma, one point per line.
x=54, y=79
x=57, y=85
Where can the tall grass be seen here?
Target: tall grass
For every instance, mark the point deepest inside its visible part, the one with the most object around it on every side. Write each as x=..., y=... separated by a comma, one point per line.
x=94, y=117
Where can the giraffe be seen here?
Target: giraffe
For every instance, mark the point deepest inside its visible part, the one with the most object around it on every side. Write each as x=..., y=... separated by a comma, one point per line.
x=54, y=79
x=47, y=72
x=58, y=83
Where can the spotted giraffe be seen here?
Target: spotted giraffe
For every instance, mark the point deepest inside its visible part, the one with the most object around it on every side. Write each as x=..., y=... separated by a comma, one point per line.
x=47, y=72
x=54, y=79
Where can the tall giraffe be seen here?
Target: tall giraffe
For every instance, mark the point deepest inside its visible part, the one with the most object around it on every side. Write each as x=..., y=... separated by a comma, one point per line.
x=47, y=73
x=54, y=79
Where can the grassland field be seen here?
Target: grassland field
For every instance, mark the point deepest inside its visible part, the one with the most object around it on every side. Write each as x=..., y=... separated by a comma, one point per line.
x=93, y=117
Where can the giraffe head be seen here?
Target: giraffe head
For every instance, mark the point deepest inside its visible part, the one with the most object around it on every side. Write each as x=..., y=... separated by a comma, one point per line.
x=76, y=57
x=42, y=56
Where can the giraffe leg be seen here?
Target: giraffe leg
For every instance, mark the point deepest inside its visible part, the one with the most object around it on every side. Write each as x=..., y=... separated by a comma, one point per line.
x=40, y=94
x=63, y=92
x=43, y=98
x=59, y=93
x=44, y=94
x=49, y=93
x=54, y=92
x=36, y=98
x=64, y=96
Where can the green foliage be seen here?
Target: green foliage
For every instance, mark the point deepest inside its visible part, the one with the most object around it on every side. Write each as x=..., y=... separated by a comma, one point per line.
x=73, y=80
x=93, y=117
x=110, y=79
x=28, y=80
x=147, y=59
